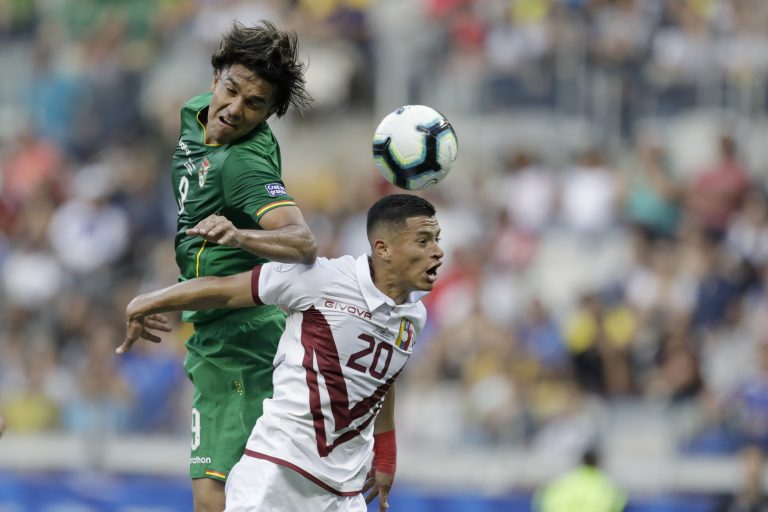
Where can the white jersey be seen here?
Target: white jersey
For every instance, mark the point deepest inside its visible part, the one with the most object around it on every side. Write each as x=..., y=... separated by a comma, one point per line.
x=344, y=344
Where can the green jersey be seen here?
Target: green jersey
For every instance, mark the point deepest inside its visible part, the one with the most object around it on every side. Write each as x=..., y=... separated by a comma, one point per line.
x=241, y=181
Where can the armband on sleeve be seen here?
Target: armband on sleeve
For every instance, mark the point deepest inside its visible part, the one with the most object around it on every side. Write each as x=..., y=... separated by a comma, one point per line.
x=385, y=452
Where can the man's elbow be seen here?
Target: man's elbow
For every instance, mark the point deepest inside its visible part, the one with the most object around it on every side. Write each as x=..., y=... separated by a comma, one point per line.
x=309, y=251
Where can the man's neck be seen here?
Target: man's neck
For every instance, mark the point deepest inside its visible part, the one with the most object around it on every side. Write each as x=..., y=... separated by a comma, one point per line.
x=386, y=284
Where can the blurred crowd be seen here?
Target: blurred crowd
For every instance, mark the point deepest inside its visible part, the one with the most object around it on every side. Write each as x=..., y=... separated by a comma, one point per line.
x=600, y=284
x=613, y=60
x=570, y=288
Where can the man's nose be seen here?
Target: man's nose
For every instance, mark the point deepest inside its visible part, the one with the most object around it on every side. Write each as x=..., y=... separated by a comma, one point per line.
x=236, y=107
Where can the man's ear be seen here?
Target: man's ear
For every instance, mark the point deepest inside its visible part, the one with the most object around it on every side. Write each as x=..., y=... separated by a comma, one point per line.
x=382, y=249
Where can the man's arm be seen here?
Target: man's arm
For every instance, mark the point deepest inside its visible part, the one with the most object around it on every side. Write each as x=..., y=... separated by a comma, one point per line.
x=196, y=294
x=284, y=237
x=384, y=452
x=385, y=420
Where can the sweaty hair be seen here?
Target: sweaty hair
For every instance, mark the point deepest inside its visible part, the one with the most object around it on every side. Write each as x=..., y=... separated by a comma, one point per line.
x=272, y=55
x=396, y=209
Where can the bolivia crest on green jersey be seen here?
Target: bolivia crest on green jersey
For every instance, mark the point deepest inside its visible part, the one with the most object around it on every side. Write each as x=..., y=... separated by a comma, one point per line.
x=202, y=172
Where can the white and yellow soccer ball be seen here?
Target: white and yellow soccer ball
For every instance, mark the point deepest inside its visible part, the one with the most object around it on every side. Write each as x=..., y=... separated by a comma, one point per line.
x=414, y=147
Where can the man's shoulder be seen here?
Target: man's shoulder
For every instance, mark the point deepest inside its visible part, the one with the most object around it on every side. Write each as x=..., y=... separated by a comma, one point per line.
x=417, y=312
x=260, y=142
x=324, y=277
x=196, y=104
x=343, y=266
x=337, y=273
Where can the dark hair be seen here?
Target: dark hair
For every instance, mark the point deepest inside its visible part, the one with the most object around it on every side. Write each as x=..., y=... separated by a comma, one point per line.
x=395, y=209
x=272, y=55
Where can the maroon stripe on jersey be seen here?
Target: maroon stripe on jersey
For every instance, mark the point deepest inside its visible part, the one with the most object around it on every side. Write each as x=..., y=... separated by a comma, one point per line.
x=367, y=404
x=315, y=335
x=306, y=474
x=255, y=273
x=318, y=342
x=320, y=338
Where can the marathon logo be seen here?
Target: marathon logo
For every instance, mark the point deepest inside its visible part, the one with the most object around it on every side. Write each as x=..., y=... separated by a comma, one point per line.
x=200, y=460
x=275, y=189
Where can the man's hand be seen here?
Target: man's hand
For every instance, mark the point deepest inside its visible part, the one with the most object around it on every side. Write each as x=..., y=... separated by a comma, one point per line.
x=217, y=229
x=379, y=485
x=136, y=327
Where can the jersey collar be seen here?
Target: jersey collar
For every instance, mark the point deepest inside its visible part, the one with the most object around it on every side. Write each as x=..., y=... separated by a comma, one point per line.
x=374, y=297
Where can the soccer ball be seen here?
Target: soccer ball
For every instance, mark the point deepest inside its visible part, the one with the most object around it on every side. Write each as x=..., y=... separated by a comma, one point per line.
x=414, y=147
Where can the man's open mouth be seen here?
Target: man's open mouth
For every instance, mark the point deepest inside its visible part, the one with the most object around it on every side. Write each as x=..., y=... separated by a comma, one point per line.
x=432, y=272
x=226, y=122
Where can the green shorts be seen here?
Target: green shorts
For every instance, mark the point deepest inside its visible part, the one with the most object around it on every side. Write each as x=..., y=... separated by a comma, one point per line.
x=229, y=390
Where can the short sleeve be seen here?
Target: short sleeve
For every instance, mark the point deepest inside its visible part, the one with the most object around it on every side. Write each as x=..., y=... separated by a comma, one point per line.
x=252, y=184
x=292, y=285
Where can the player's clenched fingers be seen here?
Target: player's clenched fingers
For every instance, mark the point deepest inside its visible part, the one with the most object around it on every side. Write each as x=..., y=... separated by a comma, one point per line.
x=217, y=228
x=205, y=233
x=211, y=218
x=215, y=232
x=371, y=495
x=158, y=326
x=206, y=228
x=214, y=220
x=158, y=323
x=202, y=227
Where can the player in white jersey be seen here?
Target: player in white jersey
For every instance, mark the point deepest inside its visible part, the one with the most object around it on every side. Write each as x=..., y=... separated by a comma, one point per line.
x=351, y=327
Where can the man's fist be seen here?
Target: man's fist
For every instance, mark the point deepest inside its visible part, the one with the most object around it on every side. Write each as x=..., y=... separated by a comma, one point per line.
x=217, y=229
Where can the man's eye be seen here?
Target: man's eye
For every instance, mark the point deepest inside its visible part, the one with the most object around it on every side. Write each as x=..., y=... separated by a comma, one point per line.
x=231, y=92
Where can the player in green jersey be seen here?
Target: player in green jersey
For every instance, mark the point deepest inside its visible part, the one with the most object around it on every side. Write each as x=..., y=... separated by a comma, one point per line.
x=234, y=213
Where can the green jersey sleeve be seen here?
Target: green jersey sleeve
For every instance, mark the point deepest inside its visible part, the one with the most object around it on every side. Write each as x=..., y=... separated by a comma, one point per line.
x=252, y=185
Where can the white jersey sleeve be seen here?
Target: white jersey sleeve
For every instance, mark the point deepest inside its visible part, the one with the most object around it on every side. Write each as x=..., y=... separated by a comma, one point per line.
x=289, y=284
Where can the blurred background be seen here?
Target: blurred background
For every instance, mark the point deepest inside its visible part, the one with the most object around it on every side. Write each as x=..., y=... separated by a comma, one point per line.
x=605, y=228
